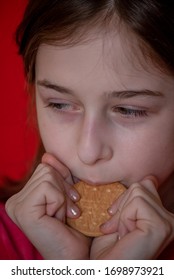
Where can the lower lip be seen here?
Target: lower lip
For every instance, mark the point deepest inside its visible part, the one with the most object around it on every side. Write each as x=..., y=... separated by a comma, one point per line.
x=76, y=180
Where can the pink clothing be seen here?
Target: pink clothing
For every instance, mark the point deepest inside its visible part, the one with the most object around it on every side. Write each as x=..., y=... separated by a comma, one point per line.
x=14, y=245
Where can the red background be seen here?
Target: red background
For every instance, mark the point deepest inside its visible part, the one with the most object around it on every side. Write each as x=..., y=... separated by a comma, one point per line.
x=18, y=140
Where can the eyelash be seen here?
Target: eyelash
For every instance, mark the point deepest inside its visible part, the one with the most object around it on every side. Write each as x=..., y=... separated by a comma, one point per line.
x=59, y=106
x=128, y=112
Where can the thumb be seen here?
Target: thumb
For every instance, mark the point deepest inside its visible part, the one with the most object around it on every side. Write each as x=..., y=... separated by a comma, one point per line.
x=102, y=244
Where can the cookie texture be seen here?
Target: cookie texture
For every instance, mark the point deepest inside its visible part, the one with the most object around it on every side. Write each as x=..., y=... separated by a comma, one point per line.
x=94, y=202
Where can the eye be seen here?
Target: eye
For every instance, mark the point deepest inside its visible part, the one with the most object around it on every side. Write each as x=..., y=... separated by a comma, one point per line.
x=60, y=106
x=64, y=107
x=130, y=112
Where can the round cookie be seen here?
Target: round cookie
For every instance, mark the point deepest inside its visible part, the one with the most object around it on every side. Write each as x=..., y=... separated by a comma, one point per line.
x=94, y=202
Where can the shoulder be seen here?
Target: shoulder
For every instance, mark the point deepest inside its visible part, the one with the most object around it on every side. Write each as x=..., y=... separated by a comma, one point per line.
x=13, y=243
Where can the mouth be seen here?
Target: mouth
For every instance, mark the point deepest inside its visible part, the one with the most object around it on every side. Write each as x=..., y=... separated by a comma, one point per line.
x=90, y=182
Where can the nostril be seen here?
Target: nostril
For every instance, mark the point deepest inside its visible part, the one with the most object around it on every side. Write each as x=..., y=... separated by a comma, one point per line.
x=93, y=142
x=95, y=156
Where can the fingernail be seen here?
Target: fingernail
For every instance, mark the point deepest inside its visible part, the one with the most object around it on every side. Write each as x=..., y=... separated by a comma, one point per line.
x=106, y=225
x=111, y=211
x=74, y=195
x=74, y=210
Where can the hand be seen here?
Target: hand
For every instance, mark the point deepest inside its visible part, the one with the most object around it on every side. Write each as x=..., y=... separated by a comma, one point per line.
x=40, y=211
x=140, y=227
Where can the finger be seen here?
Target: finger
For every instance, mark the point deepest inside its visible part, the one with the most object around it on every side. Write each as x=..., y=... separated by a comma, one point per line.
x=150, y=182
x=73, y=210
x=116, y=205
x=41, y=201
x=50, y=175
x=111, y=225
x=36, y=174
x=137, y=206
x=57, y=165
x=115, y=224
x=145, y=188
x=102, y=244
x=71, y=192
x=43, y=174
x=121, y=222
x=65, y=173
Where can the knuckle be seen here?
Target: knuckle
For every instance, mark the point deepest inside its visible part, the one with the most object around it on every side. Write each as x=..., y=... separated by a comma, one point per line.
x=61, y=198
x=135, y=187
x=50, y=175
x=168, y=228
x=136, y=190
x=10, y=205
x=47, y=173
x=16, y=213
x=47, y=177
x=45, y=168
x=138, y=200
x=44, y=186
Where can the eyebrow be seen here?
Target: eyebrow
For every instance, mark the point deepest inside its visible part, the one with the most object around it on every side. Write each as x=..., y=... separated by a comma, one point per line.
x=58, y=88
x=113, y=94
x=132, y=93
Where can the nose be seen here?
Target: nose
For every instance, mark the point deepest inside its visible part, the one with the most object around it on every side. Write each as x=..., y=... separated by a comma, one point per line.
x=94, y=142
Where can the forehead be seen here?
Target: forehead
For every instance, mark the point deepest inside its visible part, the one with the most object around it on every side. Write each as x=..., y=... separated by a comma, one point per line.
x=103, y=56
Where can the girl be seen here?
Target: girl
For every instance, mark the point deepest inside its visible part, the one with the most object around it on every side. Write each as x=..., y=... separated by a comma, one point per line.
x=102, y=77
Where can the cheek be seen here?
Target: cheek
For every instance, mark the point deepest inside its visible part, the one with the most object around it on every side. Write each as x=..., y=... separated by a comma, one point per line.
x=57, y=140
x=149, y=155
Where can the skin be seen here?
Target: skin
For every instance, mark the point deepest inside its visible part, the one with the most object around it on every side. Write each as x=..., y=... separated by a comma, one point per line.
x=112, y=138
x=104, y=115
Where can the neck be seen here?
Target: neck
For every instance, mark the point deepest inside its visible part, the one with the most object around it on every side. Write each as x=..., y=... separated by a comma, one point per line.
x=166, y=193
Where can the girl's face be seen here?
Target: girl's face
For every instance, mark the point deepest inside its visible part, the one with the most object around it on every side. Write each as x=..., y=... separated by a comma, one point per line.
x=103, y=114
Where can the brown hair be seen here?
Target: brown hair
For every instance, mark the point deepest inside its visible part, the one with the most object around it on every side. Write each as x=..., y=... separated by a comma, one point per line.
x=66, y=22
